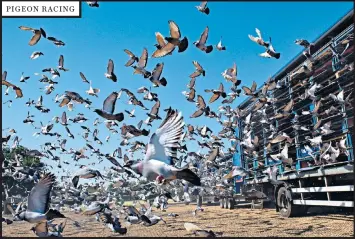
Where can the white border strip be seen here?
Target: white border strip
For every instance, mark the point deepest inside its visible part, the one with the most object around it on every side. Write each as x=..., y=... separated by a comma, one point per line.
x=40, y=9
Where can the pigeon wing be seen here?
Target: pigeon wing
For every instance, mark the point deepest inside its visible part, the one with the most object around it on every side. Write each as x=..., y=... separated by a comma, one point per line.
x=61, y=60
x=18, y=92
x=174, y=30
x=110, y=67
x=246, y=90
x=157, y=71
x=38, y=200
x=167, y=49
x=64, y=118
x=35, y=38
x=197, y=113
x=114, y=162
x=110, y=102
x=129, y=53
x=197, y=65
x=155, y=108
x=204, y=36
x=201, y=102
x=214, y=97
x=166, y=137
x=253, y=87
x=143, y=59
x=65, y=101
x=160, y=39
x=83, y=77
x=4, y=75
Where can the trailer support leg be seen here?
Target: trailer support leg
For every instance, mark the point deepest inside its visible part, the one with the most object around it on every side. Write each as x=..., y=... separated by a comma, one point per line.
x=300, y=184
x=326, y=184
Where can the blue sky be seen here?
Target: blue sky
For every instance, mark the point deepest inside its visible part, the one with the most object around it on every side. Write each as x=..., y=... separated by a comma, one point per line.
x=102, y=33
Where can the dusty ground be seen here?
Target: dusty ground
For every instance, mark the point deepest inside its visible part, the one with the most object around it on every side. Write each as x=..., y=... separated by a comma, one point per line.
x=241, y=222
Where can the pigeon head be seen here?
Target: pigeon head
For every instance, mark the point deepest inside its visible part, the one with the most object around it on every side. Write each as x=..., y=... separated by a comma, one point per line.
x=98, y=111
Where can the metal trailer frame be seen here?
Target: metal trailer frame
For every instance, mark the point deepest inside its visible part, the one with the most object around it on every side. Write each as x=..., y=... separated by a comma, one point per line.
x=304, y=184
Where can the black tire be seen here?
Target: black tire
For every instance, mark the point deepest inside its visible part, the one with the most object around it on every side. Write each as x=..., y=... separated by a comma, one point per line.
x=231, y=203
x=286, y=207
x=221, y=202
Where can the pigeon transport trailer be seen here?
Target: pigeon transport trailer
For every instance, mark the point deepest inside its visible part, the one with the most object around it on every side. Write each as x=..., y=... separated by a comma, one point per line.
x=317, y=167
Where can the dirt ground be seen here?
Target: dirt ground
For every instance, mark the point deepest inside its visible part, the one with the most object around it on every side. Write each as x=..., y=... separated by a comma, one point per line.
x=240, y=222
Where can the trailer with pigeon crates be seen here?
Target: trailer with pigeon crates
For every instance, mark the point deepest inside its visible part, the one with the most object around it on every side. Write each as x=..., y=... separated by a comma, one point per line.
x=305, y=182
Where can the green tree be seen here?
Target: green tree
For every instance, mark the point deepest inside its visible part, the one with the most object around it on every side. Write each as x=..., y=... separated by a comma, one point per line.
x=9, y=155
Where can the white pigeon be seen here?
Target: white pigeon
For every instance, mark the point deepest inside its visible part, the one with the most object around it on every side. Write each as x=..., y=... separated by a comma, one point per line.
x=312, y=90
x=259, y=40
x=92, y=91
x=270, y=52
x=157, y=161
x=219, y=46
x=316, y=140
x=339, y=97
x=283, y=155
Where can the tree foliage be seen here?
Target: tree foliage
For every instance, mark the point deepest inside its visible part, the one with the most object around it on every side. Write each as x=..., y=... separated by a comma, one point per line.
x=9, y=155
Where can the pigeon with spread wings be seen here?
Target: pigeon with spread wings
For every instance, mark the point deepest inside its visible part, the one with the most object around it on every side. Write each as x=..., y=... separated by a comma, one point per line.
x=199, y=70
x=203, y=8
x=17, y=90
x=110, y=74
x=153, y=115
x=173, y=41
x=155, y=76
x=259, y=40
x=61, y=64
x=250, y=91
x=201, y=43
x=270, y=52
x=85, y=172
x=84, y=78
x=202, y=108
x=160, y=151
x=142, y=63
x=220, y=47
x=37, y=34
x=109, y=108
x=161, y=44
x=38, y=203
x=132, y=58
x=217, y=93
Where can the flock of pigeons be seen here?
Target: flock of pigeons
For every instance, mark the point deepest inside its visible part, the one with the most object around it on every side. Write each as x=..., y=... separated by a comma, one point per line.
x=161, y=166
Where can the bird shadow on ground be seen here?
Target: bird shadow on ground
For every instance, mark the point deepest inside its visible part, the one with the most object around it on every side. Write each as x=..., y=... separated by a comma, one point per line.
x=308, y=229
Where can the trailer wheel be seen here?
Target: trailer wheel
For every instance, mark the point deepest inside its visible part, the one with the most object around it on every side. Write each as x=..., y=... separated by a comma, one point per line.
x=221, y=202
x=287, y=209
